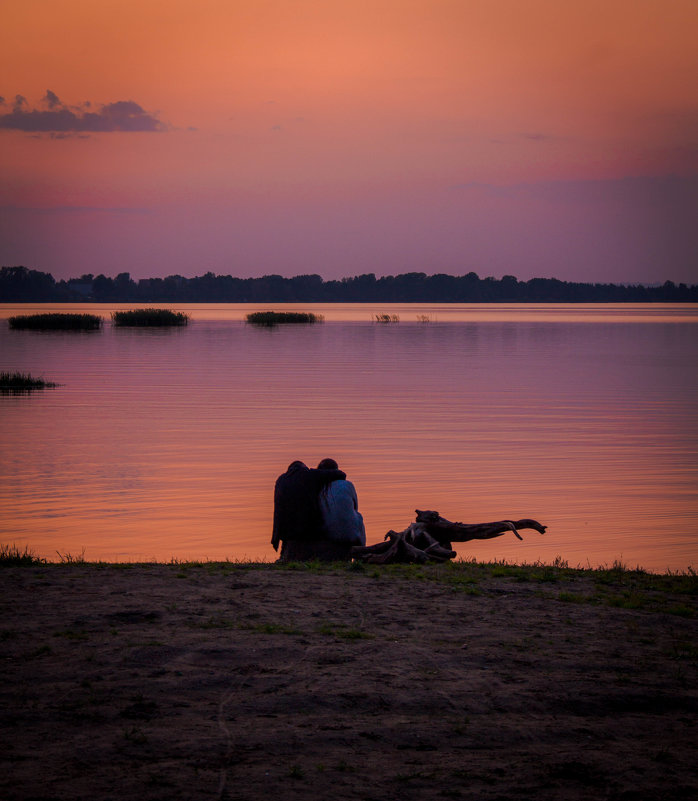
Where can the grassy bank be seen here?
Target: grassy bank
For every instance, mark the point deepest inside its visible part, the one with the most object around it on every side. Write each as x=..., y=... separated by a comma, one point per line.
x=222, y=680
x=617, y=585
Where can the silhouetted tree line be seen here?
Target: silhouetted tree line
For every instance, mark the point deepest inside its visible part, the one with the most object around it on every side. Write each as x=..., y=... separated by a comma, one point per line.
x=18, y=284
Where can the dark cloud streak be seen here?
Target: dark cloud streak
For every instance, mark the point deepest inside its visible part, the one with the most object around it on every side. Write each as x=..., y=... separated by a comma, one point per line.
x=123, y=115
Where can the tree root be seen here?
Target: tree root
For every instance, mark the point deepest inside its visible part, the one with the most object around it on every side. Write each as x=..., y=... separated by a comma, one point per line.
x=429, y=539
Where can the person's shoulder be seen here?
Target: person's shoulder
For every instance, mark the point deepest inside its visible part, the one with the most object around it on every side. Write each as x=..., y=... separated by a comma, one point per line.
x=343, y=485
x=327, y=476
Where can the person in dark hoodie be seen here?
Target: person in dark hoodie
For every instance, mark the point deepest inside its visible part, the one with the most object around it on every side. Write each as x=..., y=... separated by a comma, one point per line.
x=298, y=523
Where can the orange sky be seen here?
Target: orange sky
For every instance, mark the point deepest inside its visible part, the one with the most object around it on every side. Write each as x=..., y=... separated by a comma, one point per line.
x=455, y=134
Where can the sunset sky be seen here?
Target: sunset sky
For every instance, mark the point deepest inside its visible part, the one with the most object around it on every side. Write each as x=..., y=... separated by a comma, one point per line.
x=247, y=137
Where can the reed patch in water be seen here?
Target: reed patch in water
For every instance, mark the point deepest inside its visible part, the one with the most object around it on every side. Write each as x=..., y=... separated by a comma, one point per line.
x=22, y=382
x=149, y=317
x=272, y=318
x=387, y=318
x=56, y=322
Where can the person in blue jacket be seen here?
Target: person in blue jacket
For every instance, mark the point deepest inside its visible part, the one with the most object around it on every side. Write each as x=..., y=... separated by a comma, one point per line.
x=339, y=507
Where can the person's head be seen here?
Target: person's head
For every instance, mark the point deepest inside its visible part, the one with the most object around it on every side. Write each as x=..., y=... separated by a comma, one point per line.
x=328, y=464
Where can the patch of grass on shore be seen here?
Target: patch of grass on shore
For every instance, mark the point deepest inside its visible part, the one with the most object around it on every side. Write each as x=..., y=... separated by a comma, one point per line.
x=269, y=628
x=56, y=322
x=68, y=558
x=342, y=631
x=268, y=319
x=22, y=382
x=146, y=318
x=617, y=586
x=12, y=556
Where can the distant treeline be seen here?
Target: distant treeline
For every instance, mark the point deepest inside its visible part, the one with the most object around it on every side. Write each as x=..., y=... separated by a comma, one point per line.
x=19, y=284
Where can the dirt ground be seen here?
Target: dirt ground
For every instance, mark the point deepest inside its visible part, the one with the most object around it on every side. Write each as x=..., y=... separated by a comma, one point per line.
x=259, y=682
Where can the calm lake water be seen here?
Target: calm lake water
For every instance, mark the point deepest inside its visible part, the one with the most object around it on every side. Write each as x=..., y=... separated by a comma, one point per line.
x=167, y=443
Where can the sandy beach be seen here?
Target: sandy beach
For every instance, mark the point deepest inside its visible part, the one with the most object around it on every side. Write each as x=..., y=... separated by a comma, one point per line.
x=224, y=681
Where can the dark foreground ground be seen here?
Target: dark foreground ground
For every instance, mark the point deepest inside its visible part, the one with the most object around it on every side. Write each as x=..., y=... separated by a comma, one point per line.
x=259, y=682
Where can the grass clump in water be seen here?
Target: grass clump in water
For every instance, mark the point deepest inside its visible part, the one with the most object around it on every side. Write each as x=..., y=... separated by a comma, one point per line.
x=17, y=383
x=149, y=317
x=387, y=318
x=56, y=322
x=269, y=319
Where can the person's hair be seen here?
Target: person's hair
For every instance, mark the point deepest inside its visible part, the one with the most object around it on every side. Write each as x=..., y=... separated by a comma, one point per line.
x=328, y=464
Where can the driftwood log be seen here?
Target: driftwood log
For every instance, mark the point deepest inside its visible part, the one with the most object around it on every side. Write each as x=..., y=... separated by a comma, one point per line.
x=429, y=539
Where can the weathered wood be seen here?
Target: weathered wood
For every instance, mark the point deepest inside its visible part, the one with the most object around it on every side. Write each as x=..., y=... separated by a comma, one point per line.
x=446, y=531
x=379, y=547
x=430, y=538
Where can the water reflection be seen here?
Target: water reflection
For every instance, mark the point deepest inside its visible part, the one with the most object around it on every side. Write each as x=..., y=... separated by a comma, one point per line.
x=167, y=443
x=406, y=312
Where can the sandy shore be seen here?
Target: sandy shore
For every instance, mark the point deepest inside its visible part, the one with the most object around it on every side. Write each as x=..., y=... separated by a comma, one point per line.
x=246, y=682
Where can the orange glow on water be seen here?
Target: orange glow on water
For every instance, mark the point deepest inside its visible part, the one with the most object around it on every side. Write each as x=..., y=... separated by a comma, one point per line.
x=167, y=444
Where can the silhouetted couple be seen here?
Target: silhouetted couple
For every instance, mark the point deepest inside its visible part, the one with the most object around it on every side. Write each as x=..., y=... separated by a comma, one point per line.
x=316, y=513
